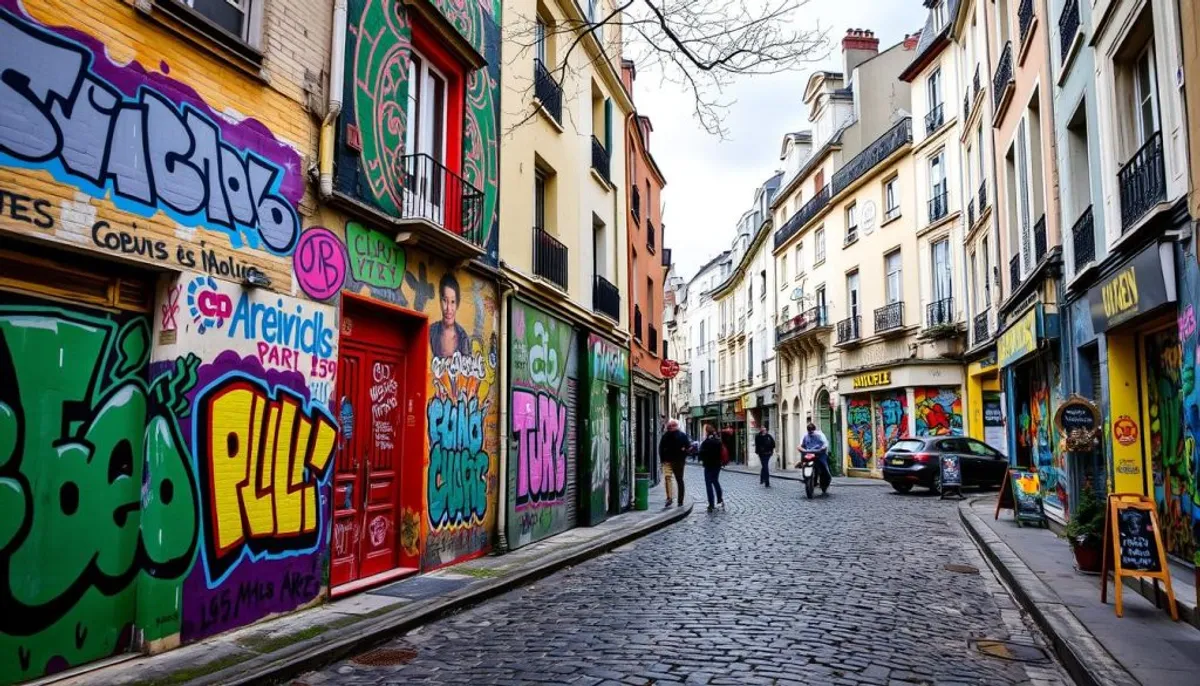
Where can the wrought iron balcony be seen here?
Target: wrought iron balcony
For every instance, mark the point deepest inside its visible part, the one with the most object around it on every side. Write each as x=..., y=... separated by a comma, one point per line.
x=650, y=236
x=939, y=313
x=1014, y=274
x=606, y=299
x=889, y=317
x=1068, y=26
x=1004, y=75
x=547, y=90
x=939, y=204
x=935, y=119
x=971, y=213
x=549, y=258
x=1025, y=18
x=436, y=195
x=879, y=150
x=1083, y=240
x=983, y=196
x=600, y=160
x=1039, y=239
x=802, y=216
x=637, y=322
x=979, y=327
x=652, y=344
x=1143, y=182
x=810, y=320
x=849, y=330
x=635, y=204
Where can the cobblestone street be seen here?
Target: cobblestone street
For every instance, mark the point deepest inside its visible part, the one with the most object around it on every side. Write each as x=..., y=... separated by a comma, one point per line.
x=848, y=589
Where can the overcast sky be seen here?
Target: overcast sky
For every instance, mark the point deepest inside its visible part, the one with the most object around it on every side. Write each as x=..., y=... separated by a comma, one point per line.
x=710, y=182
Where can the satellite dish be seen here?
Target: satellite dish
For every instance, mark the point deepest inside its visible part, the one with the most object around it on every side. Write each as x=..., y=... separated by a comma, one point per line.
x=869, y=214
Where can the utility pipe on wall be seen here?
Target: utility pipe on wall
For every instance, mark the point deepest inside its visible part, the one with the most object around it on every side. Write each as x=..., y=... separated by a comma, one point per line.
x=337, y=68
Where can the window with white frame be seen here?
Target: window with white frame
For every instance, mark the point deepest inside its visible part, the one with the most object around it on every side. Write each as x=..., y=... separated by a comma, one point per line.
x=425, y=139
x=892, y=280
x=1024, y=195
x=1145, y=86
x=939, y=14
x=239, y=18
x=539, y=41
x=799, y=259
x=933, y=90
x=783, y=271
x=891, y=199
x=819, y=245
x=941, y=270
x=938, y=189
x=987, y=272
x=851, y=223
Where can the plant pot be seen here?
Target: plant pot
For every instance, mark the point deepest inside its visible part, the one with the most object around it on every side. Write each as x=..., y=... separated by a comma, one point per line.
x=1089, y=555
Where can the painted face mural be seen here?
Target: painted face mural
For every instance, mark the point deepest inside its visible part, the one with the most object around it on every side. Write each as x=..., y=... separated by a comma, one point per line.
x=938, y=411
x=860, y=440
x=544, y=399
x=91, y=459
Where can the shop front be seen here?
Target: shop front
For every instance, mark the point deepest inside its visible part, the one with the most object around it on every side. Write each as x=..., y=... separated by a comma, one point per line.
x=883, y=405
x=1027, y=353
x=608, y=479
x=759, y=406
x=732, y=429
x=985, y=402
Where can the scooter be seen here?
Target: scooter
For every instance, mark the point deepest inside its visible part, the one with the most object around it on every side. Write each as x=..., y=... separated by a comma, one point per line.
x=810, y=472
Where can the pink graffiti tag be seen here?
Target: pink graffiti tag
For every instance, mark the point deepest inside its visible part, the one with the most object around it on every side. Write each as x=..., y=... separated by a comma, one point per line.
x=540, y=423
x=320, y=263
x=1187, y=323
x=170, y=309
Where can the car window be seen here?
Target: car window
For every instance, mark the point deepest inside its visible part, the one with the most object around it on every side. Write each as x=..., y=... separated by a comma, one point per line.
x=907, y=445
x=981, y=448
x=952, y=445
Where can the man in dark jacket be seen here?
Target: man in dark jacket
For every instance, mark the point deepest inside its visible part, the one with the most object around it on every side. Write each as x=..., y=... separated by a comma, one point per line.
x=764, y=447
x=672, y=453
x=710, y=457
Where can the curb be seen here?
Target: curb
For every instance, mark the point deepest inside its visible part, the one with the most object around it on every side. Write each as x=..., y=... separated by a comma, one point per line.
x=336, y=644
x=1084, y=658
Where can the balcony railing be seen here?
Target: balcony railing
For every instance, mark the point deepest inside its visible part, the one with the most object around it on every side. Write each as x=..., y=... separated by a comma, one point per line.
x=939, y=204
x=809, y=320
x=547, y=90
x=802, y=216
x=1014, y=274
x=1025, y=18
x=549, y=258
x=971, y=213
x=635, y=204
x=1068, y=26
x=637, y=322
x=935, y=119
x=889, y=317
x=606, y=299
x=1004, y=75
x=1039, y=239
x=896, y=137
x=849, y=330
x=983, y=196
x=939, y=313
x=979, y=327
x=650, y=236
x=1143, y=182
x=652, y=335
x=435, y=194
x=1083, y=240
x=600, y=161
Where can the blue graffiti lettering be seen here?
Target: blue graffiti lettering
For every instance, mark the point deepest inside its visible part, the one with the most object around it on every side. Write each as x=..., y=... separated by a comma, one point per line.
x=458, y=467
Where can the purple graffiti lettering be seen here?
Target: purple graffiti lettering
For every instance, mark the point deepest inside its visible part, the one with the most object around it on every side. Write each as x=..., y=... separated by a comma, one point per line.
x=540, y=424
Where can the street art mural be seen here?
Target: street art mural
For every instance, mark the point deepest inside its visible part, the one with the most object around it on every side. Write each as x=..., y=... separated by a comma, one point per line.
x=891, y=418
x=91, y=458
x=938, y=411
x=372, y=160
x=1174, y=425
x=139, y=160
x=609, y=461
x=544, y=373
x=860, y=438
x=1035, y=438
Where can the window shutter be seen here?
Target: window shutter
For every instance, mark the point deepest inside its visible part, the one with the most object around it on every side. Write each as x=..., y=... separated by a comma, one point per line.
x=85, y=281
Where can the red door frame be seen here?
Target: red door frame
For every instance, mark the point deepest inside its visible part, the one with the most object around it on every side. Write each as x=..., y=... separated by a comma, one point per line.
x=411, y=327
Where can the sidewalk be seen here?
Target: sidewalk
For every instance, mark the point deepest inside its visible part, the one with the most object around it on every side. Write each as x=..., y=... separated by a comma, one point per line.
x=277, y=649
x=1094, y=644
x=794, y=475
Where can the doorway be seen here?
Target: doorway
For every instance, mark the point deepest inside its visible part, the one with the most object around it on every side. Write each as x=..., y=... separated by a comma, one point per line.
x=377, y=477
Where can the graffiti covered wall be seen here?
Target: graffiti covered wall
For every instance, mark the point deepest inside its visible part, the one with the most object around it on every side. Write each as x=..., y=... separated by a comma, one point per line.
x=610, y=463
x=463, y=412
x=1172, y=437
x=891, y=417
x=544, y=373
x=938, y=411
x=860, y=433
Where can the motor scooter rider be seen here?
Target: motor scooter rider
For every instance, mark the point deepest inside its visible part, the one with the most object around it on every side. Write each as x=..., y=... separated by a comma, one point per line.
x=816, y=443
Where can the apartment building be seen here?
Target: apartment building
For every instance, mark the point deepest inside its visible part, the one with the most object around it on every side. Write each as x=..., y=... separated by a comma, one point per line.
x=679, y=346
x=702, y=318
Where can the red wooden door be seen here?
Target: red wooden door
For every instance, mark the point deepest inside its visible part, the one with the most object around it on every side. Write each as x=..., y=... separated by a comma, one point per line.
x=366, y=489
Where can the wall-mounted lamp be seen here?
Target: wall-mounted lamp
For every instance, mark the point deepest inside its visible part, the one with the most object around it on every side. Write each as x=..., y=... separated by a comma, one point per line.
x=256, y=279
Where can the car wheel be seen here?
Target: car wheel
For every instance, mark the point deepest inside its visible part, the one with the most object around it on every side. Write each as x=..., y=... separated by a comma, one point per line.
x=902, y=488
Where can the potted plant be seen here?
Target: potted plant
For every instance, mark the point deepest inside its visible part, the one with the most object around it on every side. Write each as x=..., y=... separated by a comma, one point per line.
x=1085, y=531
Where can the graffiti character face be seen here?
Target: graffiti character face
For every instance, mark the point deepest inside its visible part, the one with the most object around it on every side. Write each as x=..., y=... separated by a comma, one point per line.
x=449, y=295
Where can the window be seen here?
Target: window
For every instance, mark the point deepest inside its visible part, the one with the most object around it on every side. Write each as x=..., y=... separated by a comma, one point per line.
x=891, y=269
x=750, y=297
x=783, y=271
x=799, y=259
x=1145, y=83
x=539, y=199
x=600, y=257
x=750, y=358
x=819, y=247
x=239, y=18
x=851, y=223
x=788, y=369
x=938, y=190
x=941, y=270
x=702, y=335
x=539, y=41
x=762, y=291
x=1023, y=195
x=783, y=314
x=891, y=199
x=987, y=273
x=939, y=15
x=933, y=90
x=821, y=304
x=703, y=387
x=852, y=293
x=433, y=137
x=976, y=289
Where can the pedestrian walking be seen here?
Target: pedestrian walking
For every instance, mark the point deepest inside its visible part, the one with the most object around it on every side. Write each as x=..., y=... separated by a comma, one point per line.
x=764, y=447
x=673, y=448
x=711, y=451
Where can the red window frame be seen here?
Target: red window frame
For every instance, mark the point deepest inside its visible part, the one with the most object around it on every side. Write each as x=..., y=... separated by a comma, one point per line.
x=429, y=44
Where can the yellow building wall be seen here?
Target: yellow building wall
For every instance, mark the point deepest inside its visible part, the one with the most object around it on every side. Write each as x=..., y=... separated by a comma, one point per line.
x=1128, y=469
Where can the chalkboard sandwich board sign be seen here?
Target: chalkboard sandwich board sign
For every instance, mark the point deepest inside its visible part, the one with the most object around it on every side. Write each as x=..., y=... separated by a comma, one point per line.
x=1021, y=492
x=1078, y=422
x=1133, y=547
x=951, y=470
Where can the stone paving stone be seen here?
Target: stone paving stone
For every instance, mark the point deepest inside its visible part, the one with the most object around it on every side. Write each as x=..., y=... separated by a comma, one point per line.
x=847, y=589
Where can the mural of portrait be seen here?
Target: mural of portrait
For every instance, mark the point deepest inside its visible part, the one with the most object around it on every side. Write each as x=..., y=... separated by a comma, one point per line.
x=446, y=336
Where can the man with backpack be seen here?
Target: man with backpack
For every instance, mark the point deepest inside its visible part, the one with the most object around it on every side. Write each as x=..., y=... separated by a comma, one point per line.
x=713, y=456
x=764, y=447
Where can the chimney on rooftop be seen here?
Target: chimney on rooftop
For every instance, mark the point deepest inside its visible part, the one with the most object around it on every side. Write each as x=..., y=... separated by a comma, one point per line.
x=911, y=40
x=858, y=46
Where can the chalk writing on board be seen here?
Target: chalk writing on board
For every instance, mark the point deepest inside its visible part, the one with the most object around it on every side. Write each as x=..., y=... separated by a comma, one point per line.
x=1139, y=551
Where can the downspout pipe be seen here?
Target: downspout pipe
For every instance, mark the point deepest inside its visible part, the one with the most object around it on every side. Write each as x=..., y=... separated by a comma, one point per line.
x=337, y=69
x=507, y=290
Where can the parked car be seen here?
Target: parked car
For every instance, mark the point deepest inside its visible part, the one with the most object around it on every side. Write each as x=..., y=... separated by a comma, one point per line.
x=916, y=462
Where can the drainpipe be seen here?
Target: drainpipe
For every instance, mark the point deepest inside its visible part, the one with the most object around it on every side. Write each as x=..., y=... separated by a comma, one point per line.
x=507, y=290
x=337, y=67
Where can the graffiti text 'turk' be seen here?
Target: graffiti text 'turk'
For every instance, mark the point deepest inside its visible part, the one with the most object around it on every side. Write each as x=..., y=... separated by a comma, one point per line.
x=540, y=425
x=57, y=114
